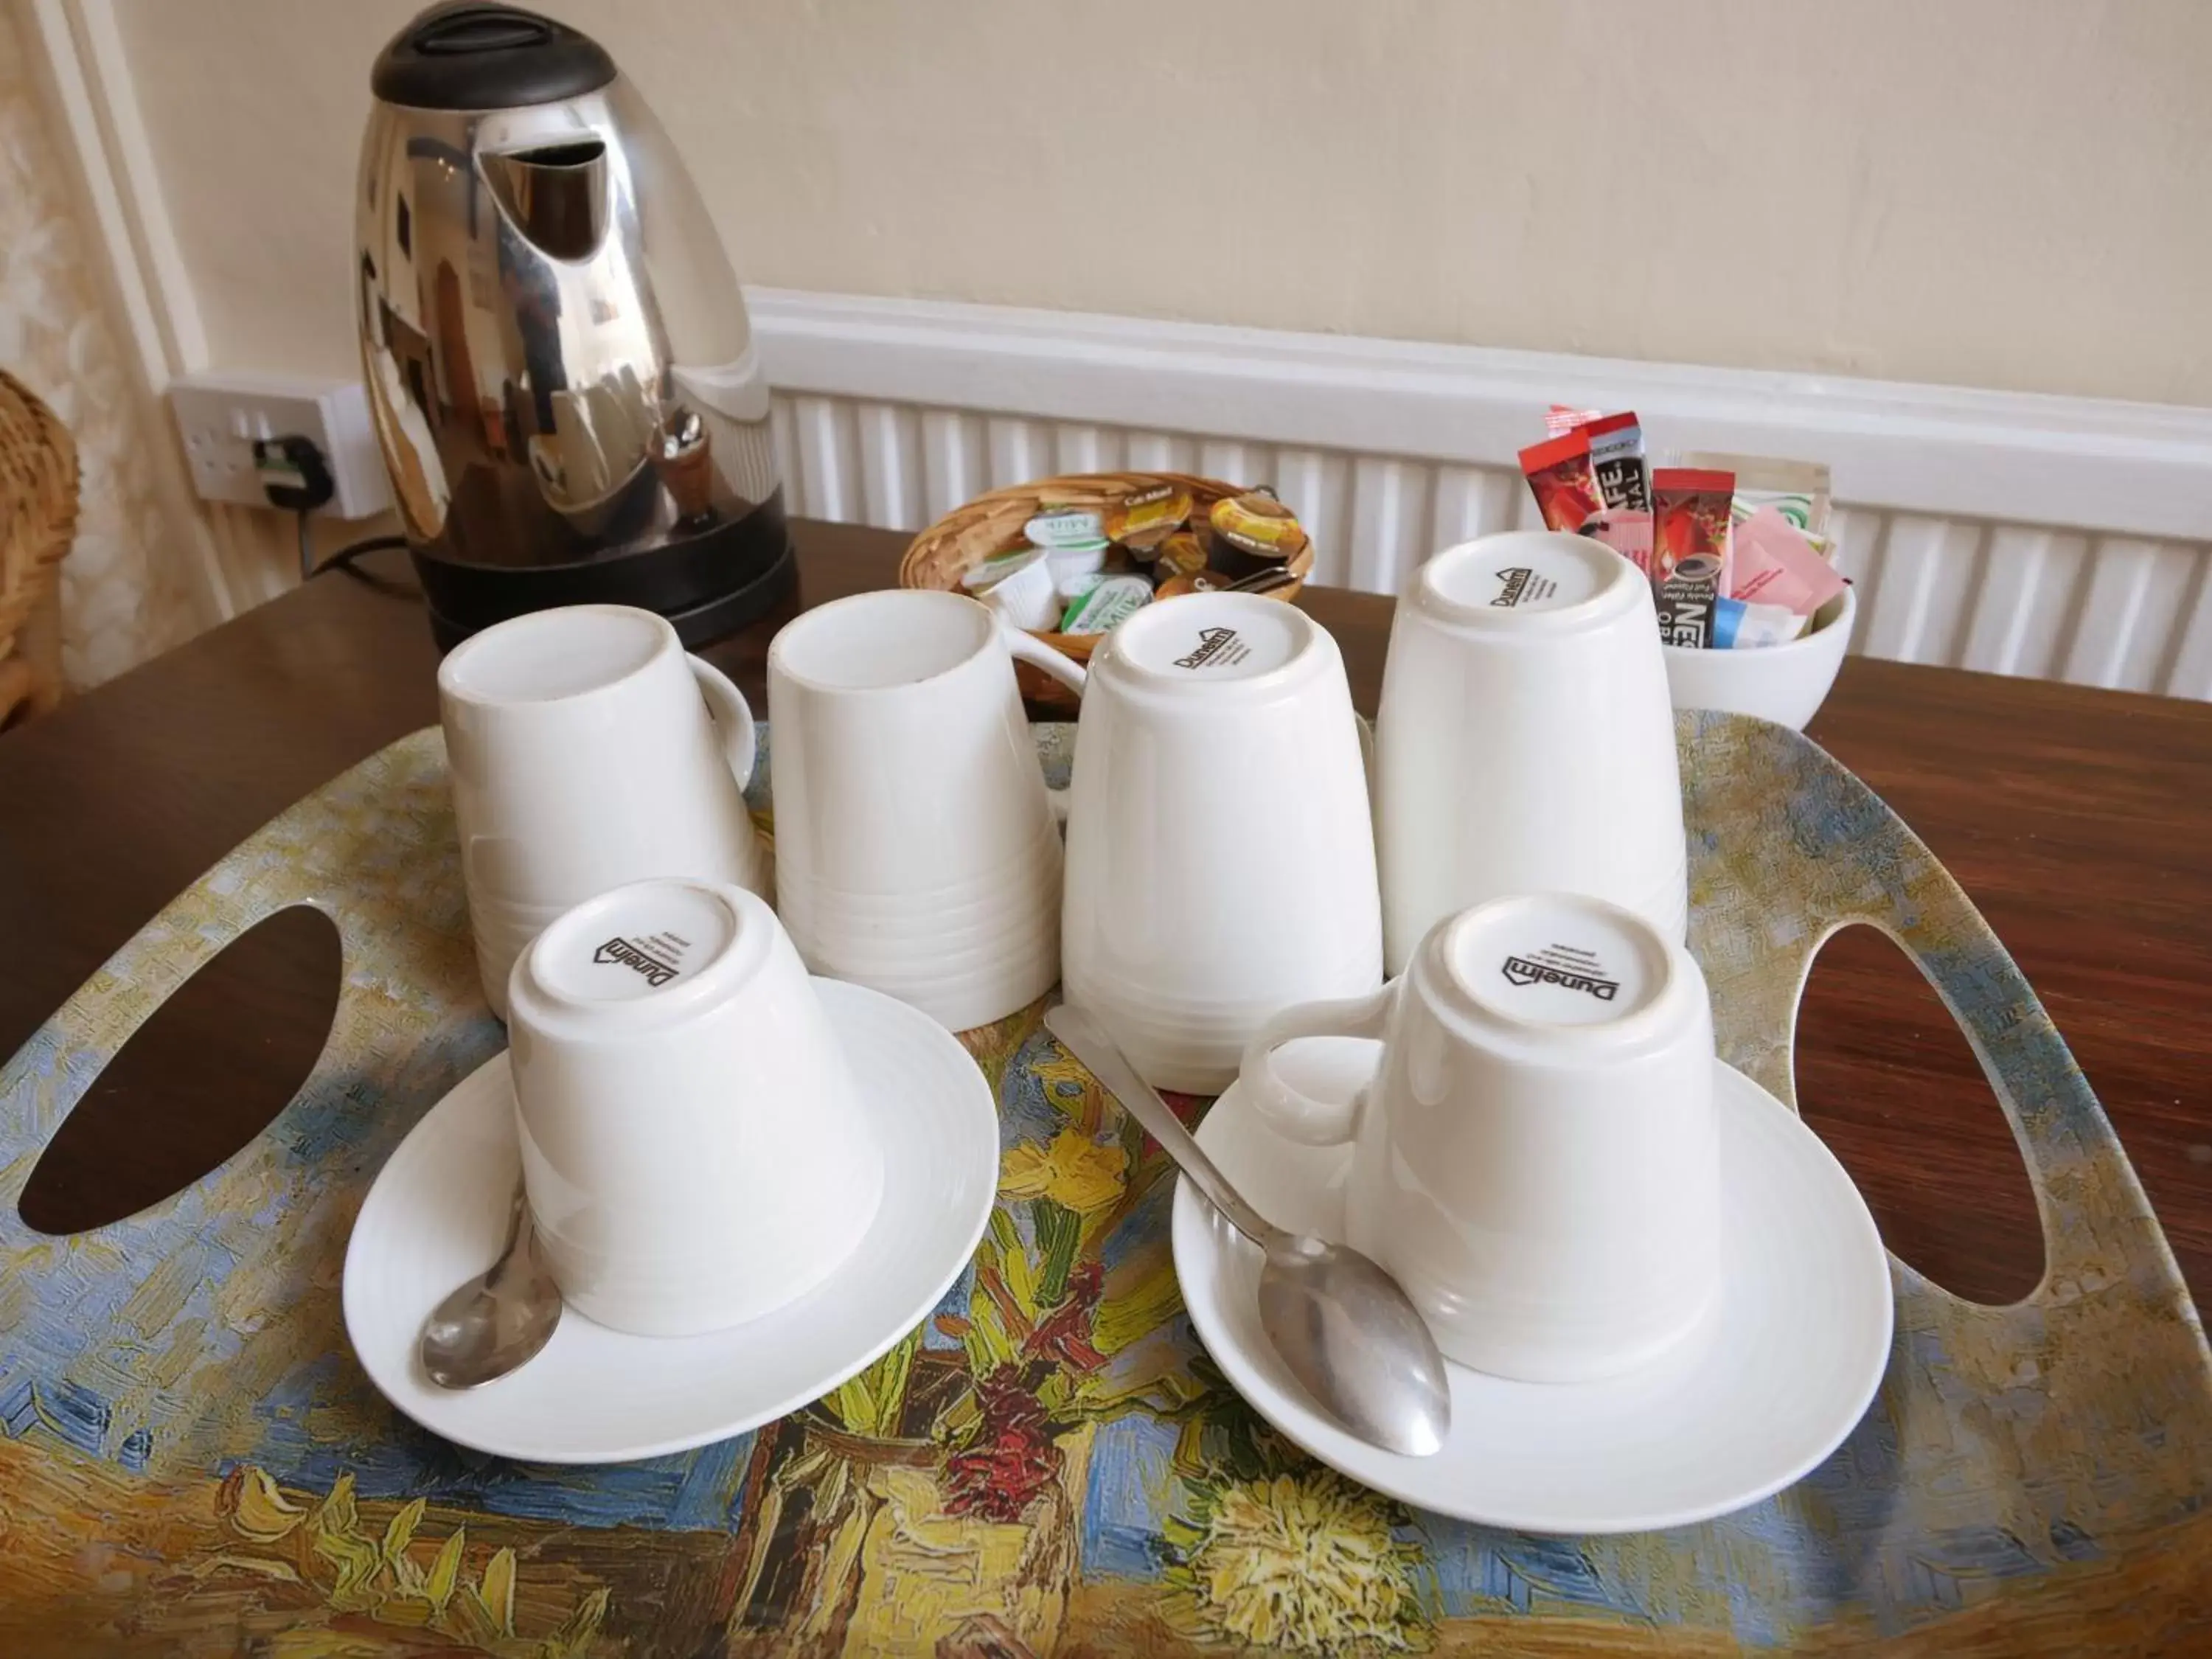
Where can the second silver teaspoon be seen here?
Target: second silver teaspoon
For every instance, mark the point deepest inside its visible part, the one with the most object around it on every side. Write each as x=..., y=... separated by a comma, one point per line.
x=500, y=1319
x=1345, y=1328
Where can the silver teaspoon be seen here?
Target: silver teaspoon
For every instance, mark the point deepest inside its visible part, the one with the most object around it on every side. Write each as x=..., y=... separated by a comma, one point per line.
x=1346, y=1331
x=497, y=1320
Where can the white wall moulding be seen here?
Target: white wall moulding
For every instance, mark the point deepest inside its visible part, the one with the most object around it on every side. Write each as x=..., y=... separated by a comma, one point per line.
x=2142, y=468
x=2055, y=538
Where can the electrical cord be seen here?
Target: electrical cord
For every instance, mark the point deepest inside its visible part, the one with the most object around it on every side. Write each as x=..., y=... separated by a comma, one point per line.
x=294, y=473
x=343, y=559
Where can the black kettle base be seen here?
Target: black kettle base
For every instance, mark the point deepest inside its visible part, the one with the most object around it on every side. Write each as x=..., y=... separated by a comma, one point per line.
x=696, y=625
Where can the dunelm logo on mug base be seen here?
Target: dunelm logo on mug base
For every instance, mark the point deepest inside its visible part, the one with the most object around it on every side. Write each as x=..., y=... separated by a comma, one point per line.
x=1519, y=970
x=1519, y=585
x=657, y=974
x=1217, y=647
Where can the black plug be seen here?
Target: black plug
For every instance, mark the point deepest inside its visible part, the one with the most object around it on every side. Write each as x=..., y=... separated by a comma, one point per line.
x=293, y=474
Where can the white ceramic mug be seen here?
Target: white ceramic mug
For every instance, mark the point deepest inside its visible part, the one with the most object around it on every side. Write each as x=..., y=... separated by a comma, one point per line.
x=1536, y=1160
x=918, y=848
x=692, y=1146
x=1525, y=741
x=1220, y=848
x=586, y=749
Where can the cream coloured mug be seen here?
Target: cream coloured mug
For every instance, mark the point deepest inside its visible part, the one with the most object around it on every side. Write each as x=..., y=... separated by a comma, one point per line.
x=1220, y=847
x=1536, y=1159
x=586, y=749
x=918, y=850
x=692, y=1149
x=1525, y=741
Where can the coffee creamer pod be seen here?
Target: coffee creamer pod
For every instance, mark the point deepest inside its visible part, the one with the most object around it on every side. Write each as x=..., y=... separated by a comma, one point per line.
x=1066, y=526
x=1258, y=524
x=1181, y=553
x=1198, y=581
x=1071, y=564
x=1019, y=589
x=1112, y=602
x=1146, y=517
x=979, y=579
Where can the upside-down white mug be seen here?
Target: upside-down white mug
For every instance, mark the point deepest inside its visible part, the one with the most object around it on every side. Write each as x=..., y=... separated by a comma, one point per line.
x=1220, y=848
x=1525, y=741
x=1536, y=1159
x=586, y=749
x=918, y=848
x=692, y=1146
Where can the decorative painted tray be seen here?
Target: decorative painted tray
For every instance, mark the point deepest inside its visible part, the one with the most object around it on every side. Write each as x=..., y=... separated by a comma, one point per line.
x=191, y=1462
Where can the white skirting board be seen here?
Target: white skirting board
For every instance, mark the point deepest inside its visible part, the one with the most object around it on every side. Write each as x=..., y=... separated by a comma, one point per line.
x=2055, y=537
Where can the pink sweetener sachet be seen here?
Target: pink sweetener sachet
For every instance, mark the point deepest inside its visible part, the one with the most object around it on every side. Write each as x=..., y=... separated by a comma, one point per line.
x=1774, y=564
x=1627, y=533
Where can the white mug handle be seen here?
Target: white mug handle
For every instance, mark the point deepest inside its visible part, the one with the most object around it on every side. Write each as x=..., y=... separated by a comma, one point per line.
x=1068, y=671
x=1035, y=653
x=733, y=719
x=1289, y=1111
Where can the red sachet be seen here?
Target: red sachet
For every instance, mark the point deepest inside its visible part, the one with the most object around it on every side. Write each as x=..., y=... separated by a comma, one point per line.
x=1689, y=548
x=1689, y=515
x=1560, y=476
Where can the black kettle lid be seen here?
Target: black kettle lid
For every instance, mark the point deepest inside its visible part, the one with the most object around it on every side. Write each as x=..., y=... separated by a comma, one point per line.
x=469, y=55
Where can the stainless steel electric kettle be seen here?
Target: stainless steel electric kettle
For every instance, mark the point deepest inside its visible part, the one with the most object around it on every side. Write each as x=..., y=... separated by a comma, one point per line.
x=559, y=363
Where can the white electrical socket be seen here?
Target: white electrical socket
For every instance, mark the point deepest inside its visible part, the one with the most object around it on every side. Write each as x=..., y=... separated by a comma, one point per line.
x=221, y=413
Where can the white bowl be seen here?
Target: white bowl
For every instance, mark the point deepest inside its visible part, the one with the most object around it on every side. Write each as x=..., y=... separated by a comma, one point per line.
x=1784, y=684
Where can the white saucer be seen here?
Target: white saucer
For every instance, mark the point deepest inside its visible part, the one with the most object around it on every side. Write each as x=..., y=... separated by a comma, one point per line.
x=1780, y=1373
x=437, y=1214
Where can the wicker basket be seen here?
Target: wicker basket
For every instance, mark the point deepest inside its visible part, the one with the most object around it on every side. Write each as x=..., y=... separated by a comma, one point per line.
x=993, y=524
x=38, y=522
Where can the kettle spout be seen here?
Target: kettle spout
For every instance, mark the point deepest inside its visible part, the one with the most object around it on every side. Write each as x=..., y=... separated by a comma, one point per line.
x=555, y=195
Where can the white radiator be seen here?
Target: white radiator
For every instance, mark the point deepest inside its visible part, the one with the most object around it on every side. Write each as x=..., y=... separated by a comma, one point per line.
x=2060, y=539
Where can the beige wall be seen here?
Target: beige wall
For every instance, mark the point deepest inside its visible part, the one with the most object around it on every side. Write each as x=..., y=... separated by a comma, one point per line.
x=2009, y=193
x=127, y=587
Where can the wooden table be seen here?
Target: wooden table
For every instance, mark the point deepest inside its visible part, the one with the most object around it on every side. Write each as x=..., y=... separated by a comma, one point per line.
x=2075, y=819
